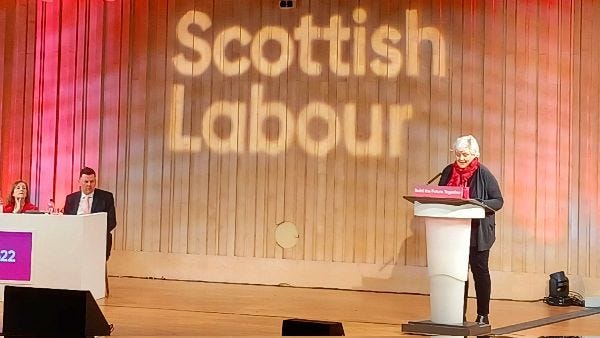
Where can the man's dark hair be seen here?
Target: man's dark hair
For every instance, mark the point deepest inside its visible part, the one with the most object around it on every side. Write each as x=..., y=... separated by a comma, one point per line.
x=87, y=171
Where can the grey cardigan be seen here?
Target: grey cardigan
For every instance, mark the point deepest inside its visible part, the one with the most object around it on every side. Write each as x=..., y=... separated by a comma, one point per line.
x=484, y=188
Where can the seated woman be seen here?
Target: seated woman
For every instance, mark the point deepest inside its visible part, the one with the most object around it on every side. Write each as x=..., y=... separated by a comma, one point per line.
x=18, y=200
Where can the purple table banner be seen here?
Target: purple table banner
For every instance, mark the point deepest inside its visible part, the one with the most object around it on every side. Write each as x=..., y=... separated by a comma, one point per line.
x=15, y=256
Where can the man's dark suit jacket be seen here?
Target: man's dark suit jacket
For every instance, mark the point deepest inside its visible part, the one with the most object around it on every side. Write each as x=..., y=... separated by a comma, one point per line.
x=103, y=202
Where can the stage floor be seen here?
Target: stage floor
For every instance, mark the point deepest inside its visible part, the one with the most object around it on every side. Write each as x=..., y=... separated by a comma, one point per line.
x=150, y=307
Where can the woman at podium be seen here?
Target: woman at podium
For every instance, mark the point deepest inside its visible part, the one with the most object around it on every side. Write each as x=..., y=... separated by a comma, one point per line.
x=18, y=200
x=481, y=185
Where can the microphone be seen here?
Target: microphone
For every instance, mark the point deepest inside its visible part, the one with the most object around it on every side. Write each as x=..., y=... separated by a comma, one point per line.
x=434, y=177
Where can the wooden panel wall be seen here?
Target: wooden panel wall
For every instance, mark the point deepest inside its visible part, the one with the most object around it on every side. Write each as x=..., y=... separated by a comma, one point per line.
x=213, y=121
x=17, y=44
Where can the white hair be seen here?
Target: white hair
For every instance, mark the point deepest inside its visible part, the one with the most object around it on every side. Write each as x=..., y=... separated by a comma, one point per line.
x=467, y=142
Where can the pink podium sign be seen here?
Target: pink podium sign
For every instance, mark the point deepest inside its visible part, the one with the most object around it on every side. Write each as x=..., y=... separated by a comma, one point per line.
x=435, y=191
x=15, y=256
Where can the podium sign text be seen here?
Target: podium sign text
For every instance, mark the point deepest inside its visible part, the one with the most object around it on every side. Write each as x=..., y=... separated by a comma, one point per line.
x=15, y=256
x=435, y=191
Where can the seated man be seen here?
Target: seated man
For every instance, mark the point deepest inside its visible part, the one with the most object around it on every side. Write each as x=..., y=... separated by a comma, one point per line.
x=90, y=200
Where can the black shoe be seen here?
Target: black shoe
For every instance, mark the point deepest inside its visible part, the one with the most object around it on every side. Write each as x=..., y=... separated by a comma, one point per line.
x=482, y=320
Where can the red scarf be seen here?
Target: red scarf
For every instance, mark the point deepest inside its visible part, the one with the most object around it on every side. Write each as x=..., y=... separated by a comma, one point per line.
x=462, y=176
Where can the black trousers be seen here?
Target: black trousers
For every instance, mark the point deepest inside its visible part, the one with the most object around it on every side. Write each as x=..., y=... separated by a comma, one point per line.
x=478, y=260
x=108, y=244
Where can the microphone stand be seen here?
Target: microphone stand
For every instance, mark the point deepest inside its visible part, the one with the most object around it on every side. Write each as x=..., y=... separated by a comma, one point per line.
x=434, y=177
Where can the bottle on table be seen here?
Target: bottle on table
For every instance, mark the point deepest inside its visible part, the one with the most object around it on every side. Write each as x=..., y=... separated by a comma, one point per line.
x=51, y=207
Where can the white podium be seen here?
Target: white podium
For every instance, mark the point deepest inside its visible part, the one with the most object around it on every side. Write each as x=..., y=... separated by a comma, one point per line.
x=66, y=252
x=448, y=235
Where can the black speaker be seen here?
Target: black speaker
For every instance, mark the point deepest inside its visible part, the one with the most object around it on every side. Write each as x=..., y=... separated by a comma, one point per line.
x=305, y=327
x=558, y=285
x=37, y=312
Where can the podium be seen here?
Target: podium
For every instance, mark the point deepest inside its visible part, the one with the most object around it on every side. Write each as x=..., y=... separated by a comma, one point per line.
x=448, y=236
x=53, y=251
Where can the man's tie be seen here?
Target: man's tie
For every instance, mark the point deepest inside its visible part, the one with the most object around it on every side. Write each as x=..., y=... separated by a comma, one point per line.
x=87, y=205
